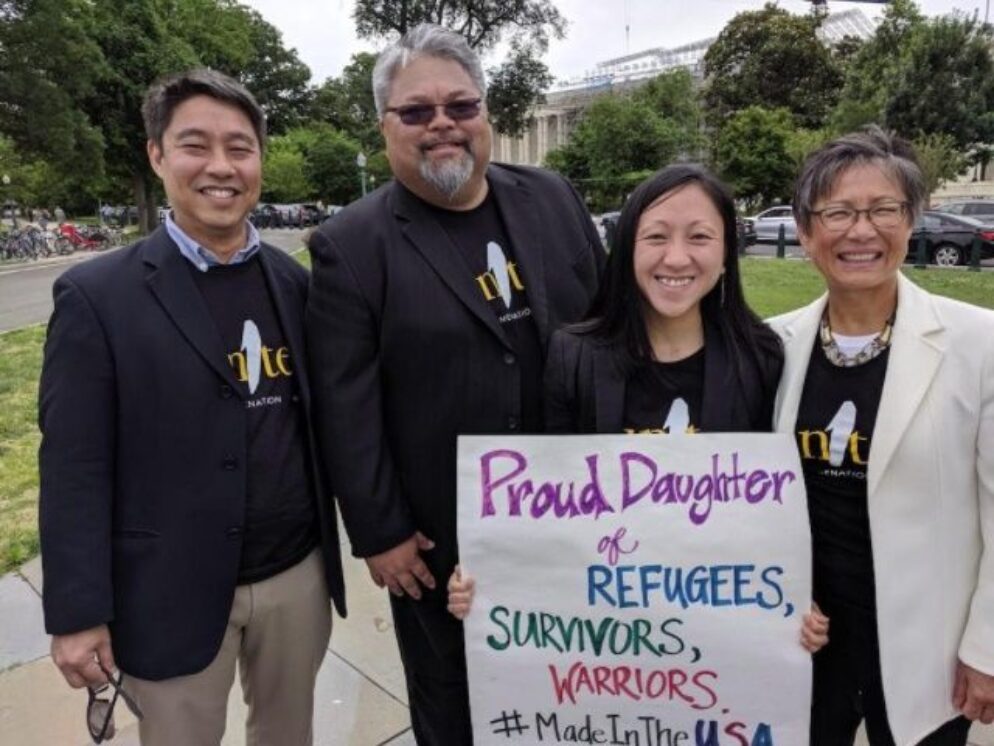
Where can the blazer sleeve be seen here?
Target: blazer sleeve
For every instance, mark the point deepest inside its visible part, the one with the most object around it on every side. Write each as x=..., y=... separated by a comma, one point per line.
x=76, y=414
x=598, y=252
x=343, y=342
x=977, y=645
x=561, y=412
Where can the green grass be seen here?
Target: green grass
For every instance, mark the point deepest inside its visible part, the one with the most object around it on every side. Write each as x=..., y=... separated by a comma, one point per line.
x=771, y=286
x=775, y=286
x=20, y=365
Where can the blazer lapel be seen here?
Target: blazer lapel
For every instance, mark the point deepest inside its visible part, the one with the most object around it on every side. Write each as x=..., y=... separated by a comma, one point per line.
x=798, y=338
x=170, y=282
x=915, y=355
x=521, y=221
x=428, y=237
x=282, y=287
x=608, y=391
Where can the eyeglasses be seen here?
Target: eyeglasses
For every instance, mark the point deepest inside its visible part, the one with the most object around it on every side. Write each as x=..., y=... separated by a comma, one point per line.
x=458, y=111
x=100, y=710
x=884, y=216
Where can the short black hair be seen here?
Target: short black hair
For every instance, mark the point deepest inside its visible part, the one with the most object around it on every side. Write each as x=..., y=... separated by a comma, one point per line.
x=166, y=94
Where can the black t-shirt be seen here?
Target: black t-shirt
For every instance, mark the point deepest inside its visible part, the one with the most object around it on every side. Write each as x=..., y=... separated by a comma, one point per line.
x=484, y=244
x=665, y=397
x=280, y=516
x=834, y=429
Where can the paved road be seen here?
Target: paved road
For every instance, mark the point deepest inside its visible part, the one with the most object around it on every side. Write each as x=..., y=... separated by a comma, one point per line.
x=26, y=289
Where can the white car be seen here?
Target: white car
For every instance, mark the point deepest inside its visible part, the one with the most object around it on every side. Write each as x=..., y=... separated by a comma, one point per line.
x=766, y=225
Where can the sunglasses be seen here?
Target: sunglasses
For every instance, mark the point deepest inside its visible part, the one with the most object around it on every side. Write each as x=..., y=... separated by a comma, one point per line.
x=458, y=111
x=100, y=710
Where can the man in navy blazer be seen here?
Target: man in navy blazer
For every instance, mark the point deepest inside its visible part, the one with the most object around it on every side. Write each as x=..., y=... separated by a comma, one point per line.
x=185, y=523
x=431, y=306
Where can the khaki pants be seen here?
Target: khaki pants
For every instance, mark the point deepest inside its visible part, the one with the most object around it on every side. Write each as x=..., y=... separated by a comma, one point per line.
x=278, y=632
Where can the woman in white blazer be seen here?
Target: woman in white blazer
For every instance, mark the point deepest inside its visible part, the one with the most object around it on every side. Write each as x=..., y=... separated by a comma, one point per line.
x=889, y=391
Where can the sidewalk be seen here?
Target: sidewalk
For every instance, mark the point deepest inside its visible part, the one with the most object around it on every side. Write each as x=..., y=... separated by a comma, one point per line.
x=361, y=699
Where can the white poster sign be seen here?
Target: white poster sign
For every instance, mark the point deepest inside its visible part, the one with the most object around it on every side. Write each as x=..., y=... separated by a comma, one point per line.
x=636, y=590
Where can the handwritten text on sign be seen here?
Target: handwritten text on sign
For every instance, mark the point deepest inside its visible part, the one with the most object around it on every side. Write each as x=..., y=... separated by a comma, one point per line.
x=636, y=590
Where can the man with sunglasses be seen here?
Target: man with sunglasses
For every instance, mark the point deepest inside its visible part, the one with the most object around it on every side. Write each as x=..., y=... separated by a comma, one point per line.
x=431, y=304
x=185, y=523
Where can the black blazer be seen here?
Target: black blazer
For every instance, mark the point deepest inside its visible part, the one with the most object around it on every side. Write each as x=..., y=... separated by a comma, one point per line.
x=142, y=457
x=585, y=387
x=406, y=355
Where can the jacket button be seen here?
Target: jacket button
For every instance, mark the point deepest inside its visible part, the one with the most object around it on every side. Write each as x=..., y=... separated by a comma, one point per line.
x=226, y=391
x=509, y=358
x=512, y=423
x=230, y=463
x=234, y=531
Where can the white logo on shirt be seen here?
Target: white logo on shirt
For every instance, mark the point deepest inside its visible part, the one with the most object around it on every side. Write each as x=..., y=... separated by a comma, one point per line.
x=678, y=420
x=497, y=264
x=252, y=347
x=841, y=427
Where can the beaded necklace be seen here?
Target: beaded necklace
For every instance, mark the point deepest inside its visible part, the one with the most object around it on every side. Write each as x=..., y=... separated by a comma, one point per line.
x=840, y=359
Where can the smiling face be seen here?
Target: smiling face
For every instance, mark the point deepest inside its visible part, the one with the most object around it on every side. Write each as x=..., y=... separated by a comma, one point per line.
x=679, y=255
x=444, y=161
x=862, y=258
x=210, y=163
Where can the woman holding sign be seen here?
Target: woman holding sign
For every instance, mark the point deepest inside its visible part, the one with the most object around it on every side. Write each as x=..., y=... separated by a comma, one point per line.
x=890, y=392
x=669, y=344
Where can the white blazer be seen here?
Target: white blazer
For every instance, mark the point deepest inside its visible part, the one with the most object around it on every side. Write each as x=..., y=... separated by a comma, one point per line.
x=930, y=483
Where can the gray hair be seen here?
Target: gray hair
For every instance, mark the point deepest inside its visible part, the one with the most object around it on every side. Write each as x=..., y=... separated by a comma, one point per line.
x=424, y=40
x=870, y=145
x=166, y=94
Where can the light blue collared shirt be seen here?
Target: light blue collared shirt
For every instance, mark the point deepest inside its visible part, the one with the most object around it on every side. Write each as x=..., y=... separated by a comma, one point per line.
x=203, y=259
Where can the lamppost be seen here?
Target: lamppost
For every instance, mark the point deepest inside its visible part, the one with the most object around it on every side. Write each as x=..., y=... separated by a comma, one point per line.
x=360, y=161
x=13, y=215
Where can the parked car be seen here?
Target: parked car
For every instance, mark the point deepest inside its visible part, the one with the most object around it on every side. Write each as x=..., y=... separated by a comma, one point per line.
x=745, y=233
x=974, y=208
x=310, y=214
x=949, y=238
x=766, y=225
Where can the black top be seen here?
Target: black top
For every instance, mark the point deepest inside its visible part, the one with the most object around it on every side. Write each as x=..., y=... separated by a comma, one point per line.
x=586, y=386
x=835, y=421
x=483, y=242
x=666, y=397
x=280, y=517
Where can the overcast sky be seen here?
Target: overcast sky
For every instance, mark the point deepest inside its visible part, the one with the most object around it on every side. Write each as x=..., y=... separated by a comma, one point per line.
x=323, y=33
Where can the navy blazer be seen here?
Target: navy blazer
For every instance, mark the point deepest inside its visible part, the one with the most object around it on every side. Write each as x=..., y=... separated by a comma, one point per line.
x=143, y=454
x=406, y=355
x=585, y=387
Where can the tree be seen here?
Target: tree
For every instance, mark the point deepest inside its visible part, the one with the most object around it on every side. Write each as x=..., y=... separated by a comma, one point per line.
x=672, y=95
x=514, y=87
x=940, y=159
x=74, y=73
x=47, y=58
x=876, y=68
x=331, y=167
x=618, y=142
x=276, y=76
x=753, y=154
x=283, y=173
x=346, y=102
x=773, y=59
x=947, y=83
x=483, y=23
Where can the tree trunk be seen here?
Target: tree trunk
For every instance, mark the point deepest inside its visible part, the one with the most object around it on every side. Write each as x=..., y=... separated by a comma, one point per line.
x=148, y=214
